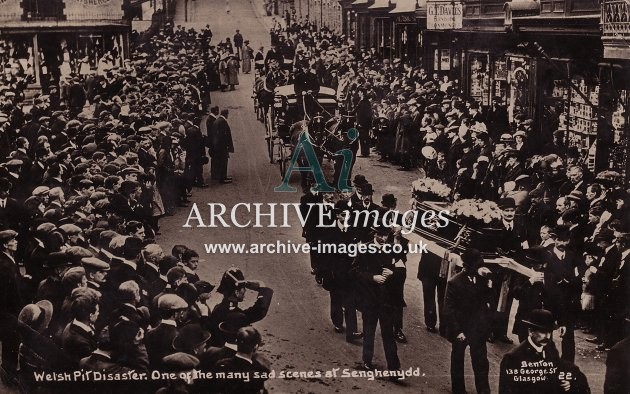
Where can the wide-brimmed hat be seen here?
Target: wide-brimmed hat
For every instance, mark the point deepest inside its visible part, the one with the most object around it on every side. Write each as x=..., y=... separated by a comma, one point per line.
x=541, y=319
x=37, y=316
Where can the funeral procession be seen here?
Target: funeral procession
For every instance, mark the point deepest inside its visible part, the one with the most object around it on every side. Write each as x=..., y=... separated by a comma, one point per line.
x=314, y=196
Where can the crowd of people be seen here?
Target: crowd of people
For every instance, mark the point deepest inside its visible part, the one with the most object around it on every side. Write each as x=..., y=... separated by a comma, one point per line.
x=85, y=177
x=559, y=218
x=83, y=284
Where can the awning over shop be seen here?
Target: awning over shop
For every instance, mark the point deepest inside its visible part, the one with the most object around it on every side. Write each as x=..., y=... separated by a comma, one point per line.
x=520, y=8
x=407, y=6
x=383, y=4
x=360, y=2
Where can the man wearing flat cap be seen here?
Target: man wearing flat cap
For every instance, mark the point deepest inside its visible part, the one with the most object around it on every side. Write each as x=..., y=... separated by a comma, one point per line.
x=95, y=271
x=467, y=313
x=159, y=340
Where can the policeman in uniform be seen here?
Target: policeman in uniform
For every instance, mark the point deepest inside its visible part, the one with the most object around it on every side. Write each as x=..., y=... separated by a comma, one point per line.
x=233, y=286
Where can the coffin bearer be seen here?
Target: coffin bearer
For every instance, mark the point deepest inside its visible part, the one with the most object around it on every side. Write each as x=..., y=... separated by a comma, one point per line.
x=467, y=310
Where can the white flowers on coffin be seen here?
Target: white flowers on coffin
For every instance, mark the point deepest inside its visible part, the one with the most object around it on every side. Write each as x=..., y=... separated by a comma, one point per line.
x=431, y=186
x=486, y=211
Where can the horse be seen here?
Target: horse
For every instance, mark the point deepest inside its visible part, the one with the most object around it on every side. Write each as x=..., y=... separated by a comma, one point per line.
x=326, y=136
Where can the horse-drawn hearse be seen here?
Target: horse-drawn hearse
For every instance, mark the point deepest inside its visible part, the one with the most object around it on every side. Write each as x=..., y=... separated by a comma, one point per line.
x=290, y=116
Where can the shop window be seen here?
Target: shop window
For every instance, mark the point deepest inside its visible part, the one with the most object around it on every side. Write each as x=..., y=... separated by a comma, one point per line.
x=479, y=80
x=17, y=56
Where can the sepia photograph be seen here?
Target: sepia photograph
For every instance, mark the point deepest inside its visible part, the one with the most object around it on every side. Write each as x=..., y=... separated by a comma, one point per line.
x=314, y=196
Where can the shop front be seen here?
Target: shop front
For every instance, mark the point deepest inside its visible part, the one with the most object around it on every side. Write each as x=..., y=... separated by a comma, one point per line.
x=383, y=26
x=87, y=38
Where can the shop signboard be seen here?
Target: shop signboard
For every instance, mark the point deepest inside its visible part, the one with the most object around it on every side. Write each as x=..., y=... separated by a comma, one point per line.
x=444, y=15
x=94, y=9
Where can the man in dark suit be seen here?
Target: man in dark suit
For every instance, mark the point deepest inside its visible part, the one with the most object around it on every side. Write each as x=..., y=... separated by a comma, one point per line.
x=364, y=116
x=194, y=145
x=376, y=290
x=567, y=269
x=497, y=119
x=601, y=280
x=127, y=268
x=245, y=360
x=617, y=367
x=335, y=272
x=222, y=146
x=130, y=297
x=467, y=311
x=159, y=341
x=10, y=302
x=304, y=81
x=77, y=97
x=238, y=43
x=77, y=339
x=212, y=116
x=510, y=239
x=432, y=274
x=538, y=348
x=10, y=209
x=575, y=182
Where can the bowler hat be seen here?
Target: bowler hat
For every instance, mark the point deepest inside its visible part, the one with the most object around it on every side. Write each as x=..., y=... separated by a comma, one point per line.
x=5, y=185
x=471, y=258
x=561, y=233
x=190, y=337
x=506, y=203
x=366, y=189
x=541, y=319
x=233, y=321
x=359, y=180
x=535, y=255
x=388, y=200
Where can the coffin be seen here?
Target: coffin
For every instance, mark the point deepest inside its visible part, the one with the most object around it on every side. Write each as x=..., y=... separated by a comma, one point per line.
x=460, y=233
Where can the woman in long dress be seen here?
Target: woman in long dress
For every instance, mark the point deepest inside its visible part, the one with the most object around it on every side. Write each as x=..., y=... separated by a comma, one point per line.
x=248, y=55
x=233, y=67
x=223, y=71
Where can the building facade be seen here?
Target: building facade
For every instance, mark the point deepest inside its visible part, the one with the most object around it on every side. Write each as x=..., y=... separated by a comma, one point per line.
x=562, y=63
x=54, y=39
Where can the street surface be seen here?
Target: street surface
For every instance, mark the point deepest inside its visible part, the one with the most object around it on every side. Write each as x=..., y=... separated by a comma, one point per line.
x=297, y=332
